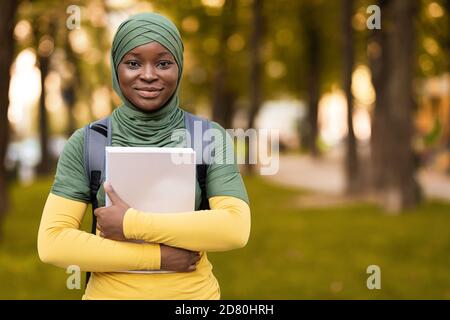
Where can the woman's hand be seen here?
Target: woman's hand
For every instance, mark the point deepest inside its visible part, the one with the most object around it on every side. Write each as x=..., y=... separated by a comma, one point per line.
x=110, y=219
x=177, y=259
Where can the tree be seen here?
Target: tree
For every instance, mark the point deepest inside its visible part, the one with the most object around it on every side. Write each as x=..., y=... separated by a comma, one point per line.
x=7, y=44
x=255, y=61
x=379, y=65
x=313, y=60
x=447, y=47
x=255, y=71
x=70, y=88
x=223, y=96
x=393, y=132
x=402, y=185
x=44, y=32
x=351, y=163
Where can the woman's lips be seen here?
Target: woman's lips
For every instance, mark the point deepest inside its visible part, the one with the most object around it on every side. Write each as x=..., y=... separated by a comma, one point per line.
x=148, y=94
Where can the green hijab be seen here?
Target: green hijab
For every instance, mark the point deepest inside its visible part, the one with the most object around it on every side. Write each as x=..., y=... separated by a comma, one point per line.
x=132, y=126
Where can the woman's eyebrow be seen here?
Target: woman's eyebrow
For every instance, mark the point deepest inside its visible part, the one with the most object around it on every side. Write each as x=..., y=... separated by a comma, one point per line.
x=164, y=53
x=159, y=55
x=137, y=55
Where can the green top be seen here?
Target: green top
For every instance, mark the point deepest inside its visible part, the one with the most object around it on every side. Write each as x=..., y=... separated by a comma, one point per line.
x=135, y=128
x=223, y=179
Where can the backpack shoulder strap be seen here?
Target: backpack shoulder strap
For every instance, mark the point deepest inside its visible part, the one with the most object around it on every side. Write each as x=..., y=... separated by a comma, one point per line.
x=97, y=135
x=196, y=127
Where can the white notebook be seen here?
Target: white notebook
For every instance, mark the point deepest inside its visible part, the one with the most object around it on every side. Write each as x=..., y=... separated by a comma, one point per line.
x=160, y=180
x=152, y=179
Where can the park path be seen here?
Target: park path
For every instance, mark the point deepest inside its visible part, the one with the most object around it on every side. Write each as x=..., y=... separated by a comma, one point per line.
x=326, y=175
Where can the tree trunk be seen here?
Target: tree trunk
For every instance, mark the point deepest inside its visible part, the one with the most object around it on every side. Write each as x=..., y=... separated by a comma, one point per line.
x=43, y=167
x=379, y=65
x=70, y=89
x=7, y=23
x=351, y=164
x=255, y=71
x=69, y=93
x=312, y=43
x=447, y=45
x=402, y=188
x=44, y=57
x=313, y=100
x=255, y=60
x=223, y=98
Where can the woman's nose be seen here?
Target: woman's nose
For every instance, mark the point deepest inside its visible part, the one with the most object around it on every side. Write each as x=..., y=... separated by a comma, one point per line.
x=148, y=73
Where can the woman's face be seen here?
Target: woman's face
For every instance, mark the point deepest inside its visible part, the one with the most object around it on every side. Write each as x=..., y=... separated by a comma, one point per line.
x=148, y=76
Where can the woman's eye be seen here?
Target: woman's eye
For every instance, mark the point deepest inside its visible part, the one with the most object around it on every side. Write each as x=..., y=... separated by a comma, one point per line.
x=164, y=64
x=132, y=64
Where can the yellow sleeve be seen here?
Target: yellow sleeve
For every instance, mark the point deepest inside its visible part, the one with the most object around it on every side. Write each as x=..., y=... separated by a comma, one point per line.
x=225, y=227
x=61, y=243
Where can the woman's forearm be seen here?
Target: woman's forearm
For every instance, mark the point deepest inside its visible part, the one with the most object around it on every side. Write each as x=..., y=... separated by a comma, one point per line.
x=61, y=243
x=225, y=227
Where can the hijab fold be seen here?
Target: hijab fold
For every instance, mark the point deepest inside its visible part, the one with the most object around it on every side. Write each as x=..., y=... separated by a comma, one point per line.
x=132, y=126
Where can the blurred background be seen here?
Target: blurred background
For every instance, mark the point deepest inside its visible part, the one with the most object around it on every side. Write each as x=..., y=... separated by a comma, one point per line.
x=360, y=95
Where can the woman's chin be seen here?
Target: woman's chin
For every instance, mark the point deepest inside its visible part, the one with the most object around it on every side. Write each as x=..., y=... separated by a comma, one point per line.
x=148, y=107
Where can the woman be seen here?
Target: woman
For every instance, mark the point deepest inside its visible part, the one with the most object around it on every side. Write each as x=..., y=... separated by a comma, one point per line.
x=147, y=64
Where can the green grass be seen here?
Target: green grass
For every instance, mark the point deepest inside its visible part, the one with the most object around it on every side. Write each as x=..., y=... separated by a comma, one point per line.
x=292, y=253
x=324, y=253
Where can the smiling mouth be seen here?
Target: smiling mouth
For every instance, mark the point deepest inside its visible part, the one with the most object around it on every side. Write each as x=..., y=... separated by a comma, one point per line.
x=148, y=94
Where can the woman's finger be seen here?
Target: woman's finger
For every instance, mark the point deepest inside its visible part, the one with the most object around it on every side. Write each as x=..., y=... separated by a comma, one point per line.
x=96, y=212
x=191, y=268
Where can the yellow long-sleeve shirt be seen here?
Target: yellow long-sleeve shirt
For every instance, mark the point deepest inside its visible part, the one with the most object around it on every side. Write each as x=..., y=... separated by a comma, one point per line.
x=60, y=242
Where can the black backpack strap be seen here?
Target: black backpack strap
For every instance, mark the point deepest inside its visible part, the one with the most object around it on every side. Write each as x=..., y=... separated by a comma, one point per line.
x=196, y=127
x=97, y=135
